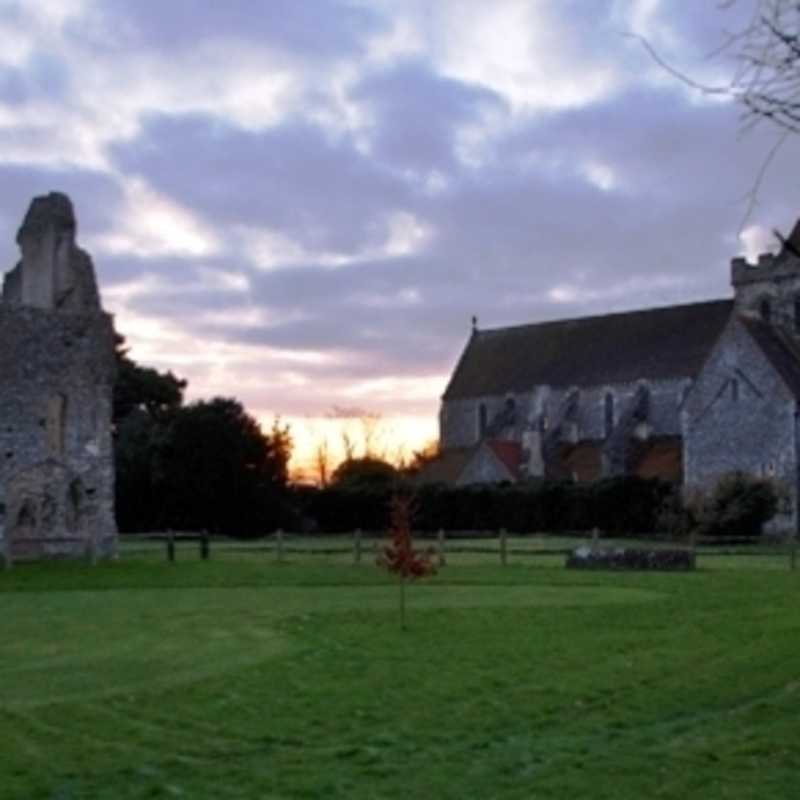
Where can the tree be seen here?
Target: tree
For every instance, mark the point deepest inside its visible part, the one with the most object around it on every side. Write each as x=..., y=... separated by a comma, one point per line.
x=222, y=473
x=143, y=388
x=420, y=459
x=766, y=53
x=766, y=77
x=322, y=461
x=143, y=405
x=362, y=473
x=203, y=466
x=767, y=82
x=399, y=556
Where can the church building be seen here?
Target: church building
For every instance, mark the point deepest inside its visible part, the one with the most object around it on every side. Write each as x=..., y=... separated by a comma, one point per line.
x=685, y=393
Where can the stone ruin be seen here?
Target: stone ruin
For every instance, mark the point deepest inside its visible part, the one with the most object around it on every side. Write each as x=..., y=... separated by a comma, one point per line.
x=57, y=367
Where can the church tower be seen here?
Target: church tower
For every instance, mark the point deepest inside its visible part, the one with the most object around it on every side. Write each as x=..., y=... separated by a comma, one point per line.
x=770, y=290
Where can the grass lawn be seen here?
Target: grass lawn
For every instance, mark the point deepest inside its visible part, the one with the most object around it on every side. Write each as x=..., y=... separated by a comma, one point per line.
x=243, y=678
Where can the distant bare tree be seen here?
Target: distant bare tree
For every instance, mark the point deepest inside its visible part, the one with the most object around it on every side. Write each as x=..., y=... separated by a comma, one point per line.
x=766, y=54
x=766, y=76
x=359, y=427
x=767, y=82
x=322, y=461
x=370, y=423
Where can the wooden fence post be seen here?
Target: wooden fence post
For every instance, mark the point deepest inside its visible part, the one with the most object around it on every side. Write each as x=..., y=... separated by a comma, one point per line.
x=503, y=547
x=204, y=546
x=279, y=544
x=357, y=546
x=440, y=543
x=170, y=546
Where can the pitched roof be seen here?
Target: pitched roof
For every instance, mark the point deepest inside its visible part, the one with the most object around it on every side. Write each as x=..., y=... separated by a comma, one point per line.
x=780, y=351
x=509, y=454
x=656, y=343
x=447, y=466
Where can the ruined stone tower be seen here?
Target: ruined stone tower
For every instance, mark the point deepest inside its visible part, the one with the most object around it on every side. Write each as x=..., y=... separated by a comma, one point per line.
x=57, y=373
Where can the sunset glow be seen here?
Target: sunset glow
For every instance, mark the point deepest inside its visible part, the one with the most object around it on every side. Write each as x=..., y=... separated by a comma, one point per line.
x=304, y=209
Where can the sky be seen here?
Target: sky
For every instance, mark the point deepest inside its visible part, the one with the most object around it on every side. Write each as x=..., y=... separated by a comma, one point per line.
x=303, y=203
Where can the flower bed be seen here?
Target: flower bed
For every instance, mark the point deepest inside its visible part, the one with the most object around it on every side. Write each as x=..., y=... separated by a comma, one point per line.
x=629, y=558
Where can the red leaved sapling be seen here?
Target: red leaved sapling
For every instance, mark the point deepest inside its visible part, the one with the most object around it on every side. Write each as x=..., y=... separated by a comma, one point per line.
x=399, y=556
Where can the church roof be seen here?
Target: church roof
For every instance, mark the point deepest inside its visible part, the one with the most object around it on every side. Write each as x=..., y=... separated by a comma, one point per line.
x=654, y=344
x=779, y=350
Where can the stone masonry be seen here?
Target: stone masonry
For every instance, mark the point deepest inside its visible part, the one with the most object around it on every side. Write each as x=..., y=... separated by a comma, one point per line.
x=57, y=368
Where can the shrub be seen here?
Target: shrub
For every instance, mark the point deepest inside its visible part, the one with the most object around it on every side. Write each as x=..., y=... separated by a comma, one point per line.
x=739, y=505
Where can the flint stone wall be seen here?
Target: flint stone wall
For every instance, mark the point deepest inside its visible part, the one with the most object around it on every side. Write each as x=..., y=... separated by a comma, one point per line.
x=56, y=403
x=57, y=370
x=740, y=415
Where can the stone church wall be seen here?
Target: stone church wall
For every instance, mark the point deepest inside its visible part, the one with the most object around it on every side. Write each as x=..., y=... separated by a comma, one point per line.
x=740, y=416
x=459, y=419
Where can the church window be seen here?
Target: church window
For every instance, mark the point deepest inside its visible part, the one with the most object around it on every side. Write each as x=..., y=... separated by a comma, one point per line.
x=797, y=315
x=482, y=419
x=735, y=390
x=765, y=310
x=608, y=409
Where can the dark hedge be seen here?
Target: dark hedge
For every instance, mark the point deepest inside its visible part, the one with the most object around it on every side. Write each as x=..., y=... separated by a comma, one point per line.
x=625, y=505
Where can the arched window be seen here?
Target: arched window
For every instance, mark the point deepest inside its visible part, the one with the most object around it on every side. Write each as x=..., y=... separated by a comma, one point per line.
x=735, y=389
x=765, y=310
x=797, y=315
x=608, y=409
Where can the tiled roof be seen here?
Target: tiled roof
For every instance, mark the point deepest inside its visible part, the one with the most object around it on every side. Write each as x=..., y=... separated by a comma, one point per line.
x=657, y=343
x=447, y=466
x=661, y=457
x=583, y=461
x=509, y=454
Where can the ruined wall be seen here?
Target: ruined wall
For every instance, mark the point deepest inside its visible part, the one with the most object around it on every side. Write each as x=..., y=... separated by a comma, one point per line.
x=741, y=416
x=57, y=368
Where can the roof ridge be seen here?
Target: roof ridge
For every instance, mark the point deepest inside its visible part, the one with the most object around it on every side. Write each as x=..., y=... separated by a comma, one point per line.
x=611, y=315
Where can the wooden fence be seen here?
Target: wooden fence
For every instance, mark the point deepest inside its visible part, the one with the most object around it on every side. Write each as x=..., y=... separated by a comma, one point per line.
x=363, y=546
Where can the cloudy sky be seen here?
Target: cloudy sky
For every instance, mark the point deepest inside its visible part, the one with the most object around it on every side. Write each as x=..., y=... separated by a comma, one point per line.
x=301, y=203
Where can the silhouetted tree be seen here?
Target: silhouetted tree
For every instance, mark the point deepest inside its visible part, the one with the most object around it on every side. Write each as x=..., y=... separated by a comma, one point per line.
x=222, y=472
x=207, y=465
x=362, y=473
x=145, y=401
x=143, y=388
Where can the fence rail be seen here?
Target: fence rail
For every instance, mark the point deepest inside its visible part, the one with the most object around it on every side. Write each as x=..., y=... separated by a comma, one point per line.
x=360, y=546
